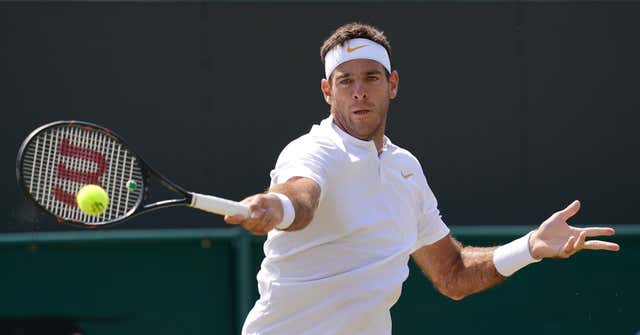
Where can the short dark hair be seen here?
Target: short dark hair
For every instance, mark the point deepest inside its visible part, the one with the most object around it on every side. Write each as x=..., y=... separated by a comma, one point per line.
x=354, y=30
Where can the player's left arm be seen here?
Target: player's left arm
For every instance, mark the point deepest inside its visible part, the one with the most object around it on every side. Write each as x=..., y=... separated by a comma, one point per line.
x=458, y=271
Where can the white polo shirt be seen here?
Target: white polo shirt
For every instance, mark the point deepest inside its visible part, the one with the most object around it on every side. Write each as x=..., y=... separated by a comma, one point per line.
x=344, y=271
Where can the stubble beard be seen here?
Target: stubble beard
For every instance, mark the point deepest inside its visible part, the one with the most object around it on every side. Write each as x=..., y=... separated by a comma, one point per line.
x=345, y=121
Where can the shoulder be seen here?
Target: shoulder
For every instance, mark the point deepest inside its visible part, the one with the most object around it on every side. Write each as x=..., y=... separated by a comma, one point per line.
x=313, y=155
x=316, y=142
x=316, y=147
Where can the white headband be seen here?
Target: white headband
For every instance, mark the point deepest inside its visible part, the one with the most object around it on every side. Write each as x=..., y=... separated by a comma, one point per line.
x=357, y=48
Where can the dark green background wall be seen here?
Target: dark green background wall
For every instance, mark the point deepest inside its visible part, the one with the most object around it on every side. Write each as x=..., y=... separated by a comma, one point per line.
x=515, y=109
x=201, y=281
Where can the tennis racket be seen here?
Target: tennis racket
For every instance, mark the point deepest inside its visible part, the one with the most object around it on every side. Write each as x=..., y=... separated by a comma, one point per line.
x=59, y=158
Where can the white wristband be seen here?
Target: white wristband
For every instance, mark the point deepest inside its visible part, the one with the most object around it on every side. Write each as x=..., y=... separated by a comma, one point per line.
x=288, y=212
x=513, y=256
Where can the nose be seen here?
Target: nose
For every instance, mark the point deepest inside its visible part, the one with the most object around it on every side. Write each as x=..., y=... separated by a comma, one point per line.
x=359, y=92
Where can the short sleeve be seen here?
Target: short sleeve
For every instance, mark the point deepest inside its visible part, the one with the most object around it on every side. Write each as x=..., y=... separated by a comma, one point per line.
x=431, y=228
x=307, y=157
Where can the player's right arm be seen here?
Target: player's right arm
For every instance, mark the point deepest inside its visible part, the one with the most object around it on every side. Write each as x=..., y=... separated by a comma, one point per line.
x=266, y=210
x=300, y=174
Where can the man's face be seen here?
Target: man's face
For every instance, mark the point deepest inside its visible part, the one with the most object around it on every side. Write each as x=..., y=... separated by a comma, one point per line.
x=359, y=95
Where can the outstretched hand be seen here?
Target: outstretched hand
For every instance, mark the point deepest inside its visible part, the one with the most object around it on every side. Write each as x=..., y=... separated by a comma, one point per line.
x=556, y=239
x=265, y=213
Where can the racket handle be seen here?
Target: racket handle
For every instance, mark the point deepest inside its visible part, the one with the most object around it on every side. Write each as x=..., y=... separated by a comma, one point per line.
x=217, y=205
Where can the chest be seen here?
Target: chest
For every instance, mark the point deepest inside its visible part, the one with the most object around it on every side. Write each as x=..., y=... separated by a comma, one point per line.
x=377, y=196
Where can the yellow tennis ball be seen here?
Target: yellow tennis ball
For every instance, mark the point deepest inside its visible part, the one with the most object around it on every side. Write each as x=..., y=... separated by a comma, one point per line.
x=92, y=199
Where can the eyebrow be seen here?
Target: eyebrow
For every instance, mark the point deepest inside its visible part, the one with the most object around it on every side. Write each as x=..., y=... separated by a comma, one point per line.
x=344, y=75
x=374, y=72
x=348, y=74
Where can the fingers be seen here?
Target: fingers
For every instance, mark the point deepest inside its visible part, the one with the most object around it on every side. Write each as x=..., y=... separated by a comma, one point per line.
x=235, y=219
x=575, y=244
x=601, y=245
x=260, y=221
x=599, y=231
x=262, y=215
x=569, y=211
x=569, y=247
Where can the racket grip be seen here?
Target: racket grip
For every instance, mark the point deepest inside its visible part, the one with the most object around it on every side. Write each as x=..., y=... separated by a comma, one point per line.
x=217, y=205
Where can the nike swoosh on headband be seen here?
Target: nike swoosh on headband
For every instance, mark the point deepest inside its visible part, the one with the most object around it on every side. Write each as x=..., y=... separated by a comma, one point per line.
x=355, y=48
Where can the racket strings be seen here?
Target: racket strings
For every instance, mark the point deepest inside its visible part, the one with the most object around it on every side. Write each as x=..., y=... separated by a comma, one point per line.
x=62, y=159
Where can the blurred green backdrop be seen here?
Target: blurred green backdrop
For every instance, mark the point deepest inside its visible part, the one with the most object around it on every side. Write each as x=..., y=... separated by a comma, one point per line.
x=203, y=282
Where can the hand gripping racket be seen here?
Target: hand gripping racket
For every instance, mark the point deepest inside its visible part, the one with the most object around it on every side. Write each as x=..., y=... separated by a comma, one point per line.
x=57, y=159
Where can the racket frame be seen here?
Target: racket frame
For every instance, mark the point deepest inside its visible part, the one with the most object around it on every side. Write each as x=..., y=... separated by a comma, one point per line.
x=148, y=173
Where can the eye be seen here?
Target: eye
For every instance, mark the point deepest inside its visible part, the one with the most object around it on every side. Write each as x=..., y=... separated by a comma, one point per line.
x=345, y=81
x=373, y=78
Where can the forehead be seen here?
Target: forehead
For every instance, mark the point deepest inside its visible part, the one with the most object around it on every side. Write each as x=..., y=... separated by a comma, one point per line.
x=358, y=66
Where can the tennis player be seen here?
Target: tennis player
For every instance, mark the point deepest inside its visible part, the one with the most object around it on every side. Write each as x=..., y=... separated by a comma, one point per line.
x=347, y=207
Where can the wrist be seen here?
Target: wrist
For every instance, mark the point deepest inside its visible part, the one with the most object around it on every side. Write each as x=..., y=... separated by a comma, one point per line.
x=535, y=253
x=513, y=256
x=288, y=211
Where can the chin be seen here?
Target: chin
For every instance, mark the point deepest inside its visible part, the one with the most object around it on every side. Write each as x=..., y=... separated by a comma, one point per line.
x=364, y=135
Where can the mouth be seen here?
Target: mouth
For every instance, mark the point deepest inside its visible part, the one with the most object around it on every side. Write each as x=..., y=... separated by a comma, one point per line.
x=361, y=112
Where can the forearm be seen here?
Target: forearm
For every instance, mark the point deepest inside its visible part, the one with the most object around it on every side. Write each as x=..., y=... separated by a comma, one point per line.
x=473, y=271
x=457, y=271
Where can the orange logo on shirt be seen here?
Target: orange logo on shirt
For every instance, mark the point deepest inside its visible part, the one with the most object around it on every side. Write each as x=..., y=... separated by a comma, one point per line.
x=406, y=175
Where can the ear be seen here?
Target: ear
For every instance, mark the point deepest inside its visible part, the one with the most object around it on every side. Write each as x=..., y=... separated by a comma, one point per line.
x=325, y=87
x=394, y=82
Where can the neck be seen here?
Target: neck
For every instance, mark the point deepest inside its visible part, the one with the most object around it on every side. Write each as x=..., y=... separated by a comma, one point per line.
x=379, y=142
x=377, y=137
